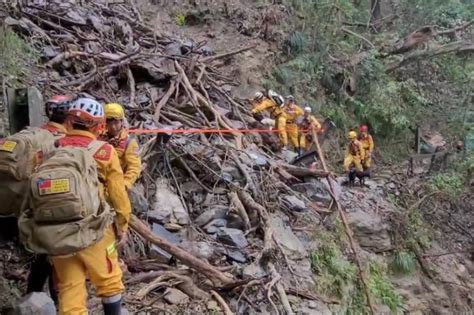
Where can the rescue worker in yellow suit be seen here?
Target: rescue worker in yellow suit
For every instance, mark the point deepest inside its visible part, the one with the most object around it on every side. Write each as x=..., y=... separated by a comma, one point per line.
x=99, y=261
x=307, y=124
x=56, y=109
x=293, y=113
x=354, y=154
x=368, y=144
x=125, y=145
x=274, y=103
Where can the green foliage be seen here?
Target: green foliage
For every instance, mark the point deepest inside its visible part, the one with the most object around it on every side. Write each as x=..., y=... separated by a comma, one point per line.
x=403, y=262
x=282, y=75
x=336, y=275
x=180, y=19
x=18, y=57
x=295, y=44
x=418, y=232
x=381, y=287
x=448, y=184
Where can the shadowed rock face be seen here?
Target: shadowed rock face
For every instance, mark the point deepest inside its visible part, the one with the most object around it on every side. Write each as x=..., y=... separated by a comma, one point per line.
x=369, y=231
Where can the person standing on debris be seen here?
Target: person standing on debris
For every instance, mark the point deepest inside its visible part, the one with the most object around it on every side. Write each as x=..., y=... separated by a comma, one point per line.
x=274, y=103
x=125, y=144
x=354, y=154
x=293, y=112
x=368, y=144
x=56, y=109
x=307, y=124
x=80, y=237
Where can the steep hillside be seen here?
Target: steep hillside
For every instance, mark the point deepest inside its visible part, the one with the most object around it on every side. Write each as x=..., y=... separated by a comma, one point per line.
x=270, y=231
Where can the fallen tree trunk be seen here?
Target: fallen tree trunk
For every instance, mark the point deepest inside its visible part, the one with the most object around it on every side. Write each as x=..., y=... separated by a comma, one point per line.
x=303, y=172
x=455, y=47
x=218, y=278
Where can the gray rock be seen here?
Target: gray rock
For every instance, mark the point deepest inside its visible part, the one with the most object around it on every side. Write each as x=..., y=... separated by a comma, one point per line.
x=256, y=158
x=252, y=271
x=314, y=190
x=294, y=203
x=371, y=184
x=370, y=232
x=233, y=254
x=201, y=250
x=213, y=226
x=36, y=303
x=137, y=199
x=155, y=251
x=289, y=155
x=290, y=244
x=168, y=207
x=212, y=229
x=232, y=237
x=213, y=213
x=175, y=296
x=335, y=184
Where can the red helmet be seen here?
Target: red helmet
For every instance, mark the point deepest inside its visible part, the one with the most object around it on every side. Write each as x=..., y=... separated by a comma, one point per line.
x=58, y=106
x=363, y=128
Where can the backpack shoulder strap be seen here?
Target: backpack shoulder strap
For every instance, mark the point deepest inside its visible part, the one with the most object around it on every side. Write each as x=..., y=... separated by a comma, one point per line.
x=95, y=145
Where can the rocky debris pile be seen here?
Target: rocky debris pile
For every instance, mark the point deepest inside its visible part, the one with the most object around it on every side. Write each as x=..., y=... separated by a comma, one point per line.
x=211, y=199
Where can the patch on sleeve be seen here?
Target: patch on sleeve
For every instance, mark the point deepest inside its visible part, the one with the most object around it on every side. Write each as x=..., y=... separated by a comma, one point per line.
x=104, y=153
x=7, y=145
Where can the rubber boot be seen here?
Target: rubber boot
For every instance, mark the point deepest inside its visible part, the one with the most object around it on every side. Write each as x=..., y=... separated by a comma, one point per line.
x=114, y=308
x=112, y=305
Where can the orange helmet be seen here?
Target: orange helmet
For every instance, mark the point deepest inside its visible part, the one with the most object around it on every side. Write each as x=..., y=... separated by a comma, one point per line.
x=363, y=128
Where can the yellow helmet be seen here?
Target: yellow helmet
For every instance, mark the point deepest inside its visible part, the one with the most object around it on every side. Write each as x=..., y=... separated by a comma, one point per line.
x=114, y=111
x=352, y=135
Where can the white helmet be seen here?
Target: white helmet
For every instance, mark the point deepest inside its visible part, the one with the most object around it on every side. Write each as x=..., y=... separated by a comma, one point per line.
x=277, y=98
x=87, y=111
x=258, y=95
x=307, y=109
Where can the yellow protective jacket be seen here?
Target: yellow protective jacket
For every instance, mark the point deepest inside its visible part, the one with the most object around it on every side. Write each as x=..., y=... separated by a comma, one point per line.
x=129, y=155
x=267, y=103
x=110, y=174
x=308, y=123
x=367, y=143
x=292, y=113
x=355, y=149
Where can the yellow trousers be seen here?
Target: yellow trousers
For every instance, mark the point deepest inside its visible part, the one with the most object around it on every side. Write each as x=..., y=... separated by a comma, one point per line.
x=281, y=127
x=367, y=162
x=306, y=141
x=292, y=131
x=353, y=159
x=100, y=263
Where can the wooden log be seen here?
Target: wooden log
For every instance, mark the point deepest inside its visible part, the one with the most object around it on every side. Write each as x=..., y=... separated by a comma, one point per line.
x=303, y=171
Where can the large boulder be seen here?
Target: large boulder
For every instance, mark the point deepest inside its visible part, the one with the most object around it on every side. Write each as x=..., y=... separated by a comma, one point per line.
x=369, y=231
x=284, y=236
